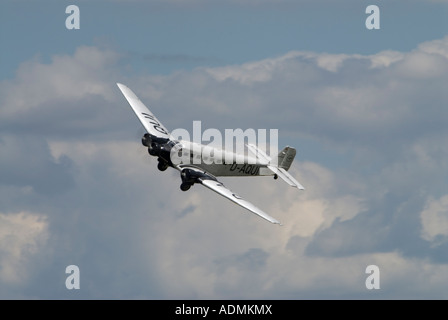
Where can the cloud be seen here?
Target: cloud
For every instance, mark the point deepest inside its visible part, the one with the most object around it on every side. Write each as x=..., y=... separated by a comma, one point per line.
x=75, y=155
x=435, y=219
x=22, y=236
x=324, y=96
x=59, y=79
x=60, y=96
x=26, y=163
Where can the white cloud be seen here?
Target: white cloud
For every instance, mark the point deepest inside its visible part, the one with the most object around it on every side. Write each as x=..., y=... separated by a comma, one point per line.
x=439, y=46
x=66, y=77
x=422, y=65
x=435, y=219
x=22, y=236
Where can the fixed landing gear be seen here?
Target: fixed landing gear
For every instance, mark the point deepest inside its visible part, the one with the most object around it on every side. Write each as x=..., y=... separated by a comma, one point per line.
x=275, y=176
x=162, y=165
x=185, y=186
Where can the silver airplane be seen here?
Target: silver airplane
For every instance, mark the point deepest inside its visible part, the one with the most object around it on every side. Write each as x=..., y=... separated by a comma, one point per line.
x=180, y=154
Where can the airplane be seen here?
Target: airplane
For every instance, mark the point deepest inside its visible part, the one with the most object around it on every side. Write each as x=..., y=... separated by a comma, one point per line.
x=161, y=144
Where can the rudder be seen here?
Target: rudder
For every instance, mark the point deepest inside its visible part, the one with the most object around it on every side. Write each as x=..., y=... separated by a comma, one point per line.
x=286, y=157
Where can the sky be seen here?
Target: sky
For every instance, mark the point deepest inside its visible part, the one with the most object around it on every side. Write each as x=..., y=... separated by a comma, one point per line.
x=365, y=109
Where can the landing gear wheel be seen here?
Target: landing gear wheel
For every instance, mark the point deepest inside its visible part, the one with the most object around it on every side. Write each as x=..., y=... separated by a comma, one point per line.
x=185, y=186
x=162, y=166
x=275, y=176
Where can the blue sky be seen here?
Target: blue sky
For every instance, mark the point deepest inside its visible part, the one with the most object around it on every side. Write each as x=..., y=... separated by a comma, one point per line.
x=161, y=37
x=366, y=110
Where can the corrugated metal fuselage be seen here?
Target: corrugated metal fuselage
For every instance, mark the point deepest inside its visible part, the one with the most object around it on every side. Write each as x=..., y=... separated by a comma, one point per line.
x=219, y=162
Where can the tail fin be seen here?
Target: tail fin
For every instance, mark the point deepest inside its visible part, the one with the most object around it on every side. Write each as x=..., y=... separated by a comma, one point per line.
x=284, y=161
x=279, y=165
x=286, y=157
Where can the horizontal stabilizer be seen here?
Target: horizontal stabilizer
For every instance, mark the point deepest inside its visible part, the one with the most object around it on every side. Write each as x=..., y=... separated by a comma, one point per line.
x=260, y=154
x=288, y=178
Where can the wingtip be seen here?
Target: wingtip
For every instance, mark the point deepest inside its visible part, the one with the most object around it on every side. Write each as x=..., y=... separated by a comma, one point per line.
x=277, y=222
x=123, y=88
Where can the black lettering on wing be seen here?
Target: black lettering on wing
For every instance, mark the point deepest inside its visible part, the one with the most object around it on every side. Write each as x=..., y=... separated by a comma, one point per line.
x=160, y=129
x=155, y=124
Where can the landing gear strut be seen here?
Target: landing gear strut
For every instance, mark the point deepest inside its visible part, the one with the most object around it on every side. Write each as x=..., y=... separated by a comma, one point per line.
x=162, y=165
x=152, y=149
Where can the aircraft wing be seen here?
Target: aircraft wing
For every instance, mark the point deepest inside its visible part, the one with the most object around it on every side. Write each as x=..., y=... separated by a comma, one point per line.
x=148, y=120
x=218, y=187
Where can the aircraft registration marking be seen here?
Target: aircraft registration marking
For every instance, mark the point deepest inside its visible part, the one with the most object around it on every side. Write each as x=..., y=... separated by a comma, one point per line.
x=245, y=168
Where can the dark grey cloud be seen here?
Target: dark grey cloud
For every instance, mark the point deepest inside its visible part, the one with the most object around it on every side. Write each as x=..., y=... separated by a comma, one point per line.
x=386, y=227
x=253, y=259
x=26, y=161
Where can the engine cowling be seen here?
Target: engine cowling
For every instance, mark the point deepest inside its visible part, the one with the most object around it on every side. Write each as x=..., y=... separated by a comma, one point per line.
x=190, y=176
x=146, y=140
x=161, y=147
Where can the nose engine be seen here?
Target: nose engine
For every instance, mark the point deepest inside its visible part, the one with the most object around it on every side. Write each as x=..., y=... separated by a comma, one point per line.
x=156, y=146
